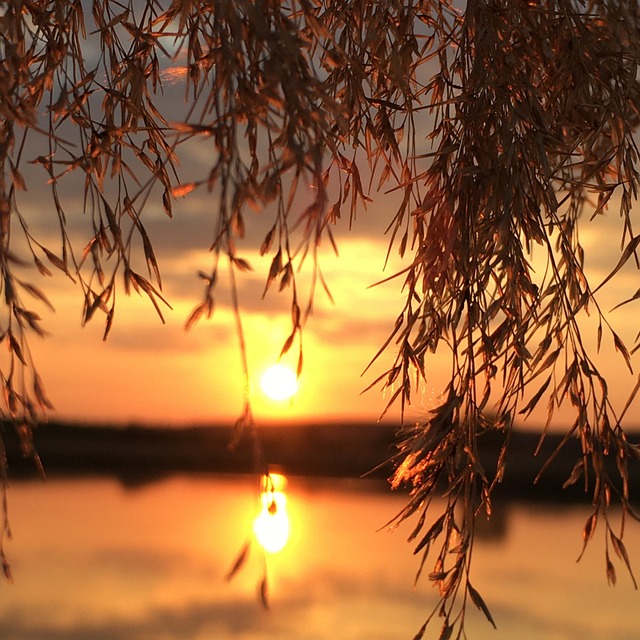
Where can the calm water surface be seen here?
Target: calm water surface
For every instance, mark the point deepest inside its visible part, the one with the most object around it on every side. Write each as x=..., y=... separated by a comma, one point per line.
x=94, y=560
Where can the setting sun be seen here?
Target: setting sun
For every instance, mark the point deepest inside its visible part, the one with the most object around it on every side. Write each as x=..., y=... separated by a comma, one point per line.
x=279, y=382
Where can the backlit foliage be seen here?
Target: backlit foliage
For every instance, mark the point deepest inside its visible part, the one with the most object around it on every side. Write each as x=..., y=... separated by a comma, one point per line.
x=502, y=126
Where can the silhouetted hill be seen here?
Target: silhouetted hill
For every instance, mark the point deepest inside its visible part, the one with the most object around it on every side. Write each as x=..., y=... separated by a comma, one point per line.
x=139, y=454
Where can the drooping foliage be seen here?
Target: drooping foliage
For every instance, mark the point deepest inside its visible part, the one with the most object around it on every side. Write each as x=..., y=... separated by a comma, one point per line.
x=502, y=126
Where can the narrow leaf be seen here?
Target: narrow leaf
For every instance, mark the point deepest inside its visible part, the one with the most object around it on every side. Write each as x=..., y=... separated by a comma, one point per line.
x=6, y=567
x=621, y=552
x=477, y=599
x=241, y=263
x=36, y=293
x=622, y=349
x=240, y=560
x=629, y=250
x=587, y=532
x=183, y=189
x=446, y=631
x=194, y=316
x=54, y=260
x=264, y=593
x=432, y=533
x=420, y=633
x=611, y=572
x=287, y=344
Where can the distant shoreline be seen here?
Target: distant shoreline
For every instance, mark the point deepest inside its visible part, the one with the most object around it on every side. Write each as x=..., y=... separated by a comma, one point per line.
x=138, y=454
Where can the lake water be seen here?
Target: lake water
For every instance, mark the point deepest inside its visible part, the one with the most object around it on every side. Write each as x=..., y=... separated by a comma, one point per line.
x=96, y=560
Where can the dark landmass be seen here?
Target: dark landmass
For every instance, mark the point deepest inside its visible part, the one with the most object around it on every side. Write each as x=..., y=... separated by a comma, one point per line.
x=138, y=454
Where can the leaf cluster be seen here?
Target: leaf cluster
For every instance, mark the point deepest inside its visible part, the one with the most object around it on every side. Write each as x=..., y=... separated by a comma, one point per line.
x=535, y=113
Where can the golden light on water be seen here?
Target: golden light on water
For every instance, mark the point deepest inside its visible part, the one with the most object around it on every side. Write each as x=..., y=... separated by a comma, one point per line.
x=271, y=526
x=279, y=382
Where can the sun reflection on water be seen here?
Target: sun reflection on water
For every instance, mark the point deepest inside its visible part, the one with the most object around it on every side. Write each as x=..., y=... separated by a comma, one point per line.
x=271, y=526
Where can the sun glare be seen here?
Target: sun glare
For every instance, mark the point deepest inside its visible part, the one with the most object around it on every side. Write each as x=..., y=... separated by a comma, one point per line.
x=271, y=526
x=279, y=382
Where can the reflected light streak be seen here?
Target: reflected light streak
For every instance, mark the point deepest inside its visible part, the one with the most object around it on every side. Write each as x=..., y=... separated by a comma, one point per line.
x=271, y=526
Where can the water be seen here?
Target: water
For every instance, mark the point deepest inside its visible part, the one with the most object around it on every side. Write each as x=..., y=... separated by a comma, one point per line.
x=95, y=560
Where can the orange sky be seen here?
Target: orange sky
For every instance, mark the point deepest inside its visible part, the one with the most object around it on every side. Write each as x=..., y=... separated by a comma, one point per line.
x=148, y=372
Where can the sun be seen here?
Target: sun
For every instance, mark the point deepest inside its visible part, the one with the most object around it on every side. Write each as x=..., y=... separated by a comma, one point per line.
x=279, y=382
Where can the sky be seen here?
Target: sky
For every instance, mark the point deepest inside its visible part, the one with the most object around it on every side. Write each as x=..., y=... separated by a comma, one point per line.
x=148, y=372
